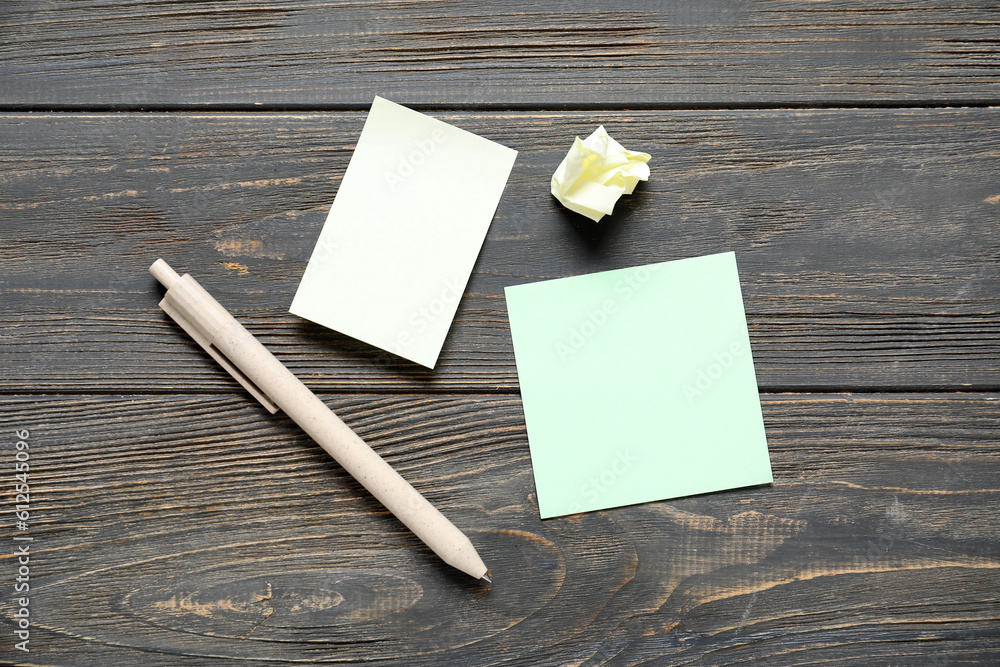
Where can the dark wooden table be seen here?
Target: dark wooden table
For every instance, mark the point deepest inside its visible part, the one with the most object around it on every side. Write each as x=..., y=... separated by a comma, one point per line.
x=847, y=152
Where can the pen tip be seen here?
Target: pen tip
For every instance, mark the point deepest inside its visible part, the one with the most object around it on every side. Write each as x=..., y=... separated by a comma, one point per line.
x=486, y=577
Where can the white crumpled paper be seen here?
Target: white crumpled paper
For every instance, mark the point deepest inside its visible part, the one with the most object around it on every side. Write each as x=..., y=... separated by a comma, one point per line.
x=595, y=173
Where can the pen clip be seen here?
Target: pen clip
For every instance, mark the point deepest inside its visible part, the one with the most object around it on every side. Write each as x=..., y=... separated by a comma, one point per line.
x=167, y=304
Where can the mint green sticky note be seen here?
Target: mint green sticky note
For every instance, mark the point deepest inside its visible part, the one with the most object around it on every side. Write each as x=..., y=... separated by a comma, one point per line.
x=638, y=385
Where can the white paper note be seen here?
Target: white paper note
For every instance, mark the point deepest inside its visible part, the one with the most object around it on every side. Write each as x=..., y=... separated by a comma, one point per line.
x=404, y=231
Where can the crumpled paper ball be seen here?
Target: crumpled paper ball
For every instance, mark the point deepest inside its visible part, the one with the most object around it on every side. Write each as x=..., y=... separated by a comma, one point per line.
x=595, y=173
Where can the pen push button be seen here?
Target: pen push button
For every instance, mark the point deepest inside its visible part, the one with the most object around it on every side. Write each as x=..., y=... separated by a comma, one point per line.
x=203, y=318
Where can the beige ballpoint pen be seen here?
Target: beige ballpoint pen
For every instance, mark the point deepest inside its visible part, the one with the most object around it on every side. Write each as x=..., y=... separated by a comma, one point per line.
x=276, y=388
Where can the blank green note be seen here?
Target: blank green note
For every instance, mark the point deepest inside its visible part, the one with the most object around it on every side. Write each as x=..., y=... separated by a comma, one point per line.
x=638, y=385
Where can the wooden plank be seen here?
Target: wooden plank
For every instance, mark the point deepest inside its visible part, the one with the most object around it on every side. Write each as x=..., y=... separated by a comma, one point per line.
x=326, y=54
x=867, y=242
x=188, y=528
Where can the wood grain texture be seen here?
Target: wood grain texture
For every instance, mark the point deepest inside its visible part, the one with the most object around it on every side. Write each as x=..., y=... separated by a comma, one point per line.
x=323, y=54
x=867, y=242
x=174, y=522
x=187, y=529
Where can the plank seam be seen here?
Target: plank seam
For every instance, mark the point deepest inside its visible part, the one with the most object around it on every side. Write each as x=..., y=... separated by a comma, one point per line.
x=568, y=108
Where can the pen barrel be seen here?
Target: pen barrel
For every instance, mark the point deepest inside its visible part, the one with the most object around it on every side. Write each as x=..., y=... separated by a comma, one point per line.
x=349, y=450
x=215, y=329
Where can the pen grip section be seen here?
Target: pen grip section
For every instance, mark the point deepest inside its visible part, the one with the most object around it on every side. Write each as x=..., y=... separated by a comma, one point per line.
x=349, y=450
